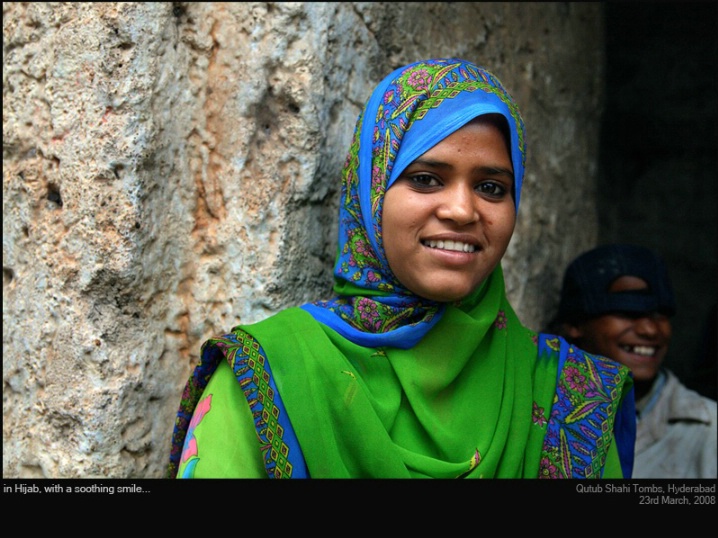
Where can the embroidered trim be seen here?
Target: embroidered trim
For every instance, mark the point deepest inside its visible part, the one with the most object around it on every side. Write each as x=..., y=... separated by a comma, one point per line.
x=584, y=409
x=283, y=457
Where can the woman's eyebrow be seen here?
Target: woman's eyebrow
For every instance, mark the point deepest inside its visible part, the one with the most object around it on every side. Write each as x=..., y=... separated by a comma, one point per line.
x=495, y=171
x=491, y=170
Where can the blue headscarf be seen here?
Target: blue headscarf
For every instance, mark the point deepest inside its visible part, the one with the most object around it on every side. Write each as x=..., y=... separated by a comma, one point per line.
x=409, y=112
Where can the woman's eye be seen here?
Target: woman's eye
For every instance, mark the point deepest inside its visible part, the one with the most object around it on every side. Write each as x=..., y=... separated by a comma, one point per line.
x=424, y=180
x=491, y=188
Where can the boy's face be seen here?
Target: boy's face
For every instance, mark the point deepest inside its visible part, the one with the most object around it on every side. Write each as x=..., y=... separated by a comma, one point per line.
x=637, y=340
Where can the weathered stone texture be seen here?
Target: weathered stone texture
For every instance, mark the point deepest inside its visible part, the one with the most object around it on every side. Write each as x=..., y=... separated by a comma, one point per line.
x=172, y=169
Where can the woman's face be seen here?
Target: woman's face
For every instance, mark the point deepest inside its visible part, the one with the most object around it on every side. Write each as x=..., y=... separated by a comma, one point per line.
x=448, y=218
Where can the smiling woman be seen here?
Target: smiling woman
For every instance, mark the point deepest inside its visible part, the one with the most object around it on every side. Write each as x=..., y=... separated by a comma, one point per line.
x=418, y=365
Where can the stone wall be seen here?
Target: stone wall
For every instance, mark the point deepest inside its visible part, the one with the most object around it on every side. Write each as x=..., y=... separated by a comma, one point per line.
x=172, y=169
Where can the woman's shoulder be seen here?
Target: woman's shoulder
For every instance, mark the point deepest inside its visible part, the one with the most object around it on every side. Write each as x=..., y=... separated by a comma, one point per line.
x=281, y=329
x=288, y=319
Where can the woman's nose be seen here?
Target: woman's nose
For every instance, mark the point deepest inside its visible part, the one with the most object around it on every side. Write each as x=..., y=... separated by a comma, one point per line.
x=459, y=205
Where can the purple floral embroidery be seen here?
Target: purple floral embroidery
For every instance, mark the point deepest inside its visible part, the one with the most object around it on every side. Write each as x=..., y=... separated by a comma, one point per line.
x=368, y=313
x=576, y=380
x=538, y=415
x=419, y=79
x=500, y=322
x=548, y=469
x=361, y=248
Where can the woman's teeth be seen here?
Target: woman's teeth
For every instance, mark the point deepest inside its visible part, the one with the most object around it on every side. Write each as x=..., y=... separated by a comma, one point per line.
x=451, y=245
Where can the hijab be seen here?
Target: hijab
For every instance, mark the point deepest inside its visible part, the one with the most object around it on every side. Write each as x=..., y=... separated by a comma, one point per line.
x=409, y=112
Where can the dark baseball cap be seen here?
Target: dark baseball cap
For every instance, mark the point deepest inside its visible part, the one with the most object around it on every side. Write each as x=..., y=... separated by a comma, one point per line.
x=585, y=290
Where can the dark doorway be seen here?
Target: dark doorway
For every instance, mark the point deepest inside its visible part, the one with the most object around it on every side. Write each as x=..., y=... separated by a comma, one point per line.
x=658, y=164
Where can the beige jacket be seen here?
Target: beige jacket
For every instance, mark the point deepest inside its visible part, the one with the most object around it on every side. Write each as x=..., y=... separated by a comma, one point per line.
x=676, y=432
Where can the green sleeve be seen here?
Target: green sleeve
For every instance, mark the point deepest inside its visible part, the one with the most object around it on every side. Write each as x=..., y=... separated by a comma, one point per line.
x=225, y=442
x=612, y=467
